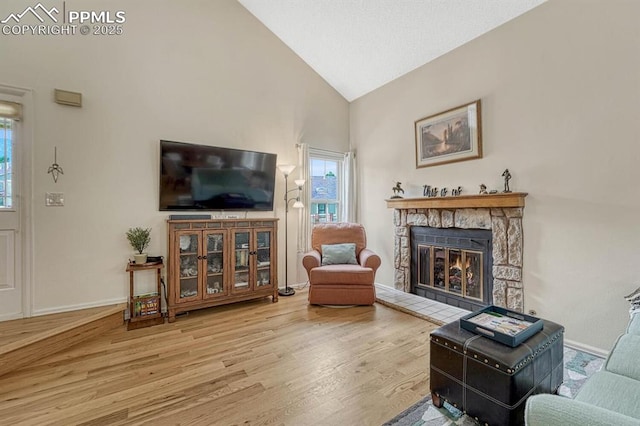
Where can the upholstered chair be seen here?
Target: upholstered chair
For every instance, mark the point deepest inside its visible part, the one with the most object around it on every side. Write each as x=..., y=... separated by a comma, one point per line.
x=341, y=269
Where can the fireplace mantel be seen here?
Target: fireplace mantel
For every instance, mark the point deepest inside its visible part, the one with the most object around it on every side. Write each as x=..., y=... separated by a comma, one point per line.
x=500, y=200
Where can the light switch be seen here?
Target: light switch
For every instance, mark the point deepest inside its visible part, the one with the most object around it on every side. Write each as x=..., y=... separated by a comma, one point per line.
x=54, y=199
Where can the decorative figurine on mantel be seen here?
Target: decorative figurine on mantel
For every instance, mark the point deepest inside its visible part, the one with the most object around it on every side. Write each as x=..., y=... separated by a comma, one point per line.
x=443, y=192
x=483, y=189
x=506, y=175
x=456, y=191
x=428, y=191
x=397, y=190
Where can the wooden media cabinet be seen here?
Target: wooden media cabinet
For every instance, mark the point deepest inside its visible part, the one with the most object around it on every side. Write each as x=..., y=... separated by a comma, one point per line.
x=218, y=261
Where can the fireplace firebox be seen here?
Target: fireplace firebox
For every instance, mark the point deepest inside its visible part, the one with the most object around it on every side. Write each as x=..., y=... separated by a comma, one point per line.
x=453, y=266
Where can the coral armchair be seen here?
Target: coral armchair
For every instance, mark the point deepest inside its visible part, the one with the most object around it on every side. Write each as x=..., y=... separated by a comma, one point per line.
x=341, y=269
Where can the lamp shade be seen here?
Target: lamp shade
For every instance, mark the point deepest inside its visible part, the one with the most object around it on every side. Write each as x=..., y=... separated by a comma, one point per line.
x=286, y=169
x=298, y=205
x=299, y=182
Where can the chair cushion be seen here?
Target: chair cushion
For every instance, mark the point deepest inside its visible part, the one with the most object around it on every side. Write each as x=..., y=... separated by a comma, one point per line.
x=623, y=358
x=342, y=274
x=613, y=392
x=339, y=254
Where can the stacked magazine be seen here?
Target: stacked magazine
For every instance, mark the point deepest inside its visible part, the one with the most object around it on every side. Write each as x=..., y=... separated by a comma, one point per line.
x=500, y=323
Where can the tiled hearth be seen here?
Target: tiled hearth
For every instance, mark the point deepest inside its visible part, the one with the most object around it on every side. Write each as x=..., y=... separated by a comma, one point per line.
x=499, y=213
x=436, y=312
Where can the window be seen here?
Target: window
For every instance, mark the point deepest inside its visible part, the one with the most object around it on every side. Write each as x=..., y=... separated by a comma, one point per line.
x=6, y=157
x=326, y=188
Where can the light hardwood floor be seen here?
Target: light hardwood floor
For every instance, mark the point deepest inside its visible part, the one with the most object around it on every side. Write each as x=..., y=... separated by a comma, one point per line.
x=254, y=363
x=12, y=332
x=24, y=341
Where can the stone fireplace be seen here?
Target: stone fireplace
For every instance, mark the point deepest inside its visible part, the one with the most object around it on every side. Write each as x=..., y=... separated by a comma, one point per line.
x=501, y=214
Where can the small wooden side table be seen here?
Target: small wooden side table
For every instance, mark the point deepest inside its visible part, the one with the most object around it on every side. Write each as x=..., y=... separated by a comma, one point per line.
x=145, y=309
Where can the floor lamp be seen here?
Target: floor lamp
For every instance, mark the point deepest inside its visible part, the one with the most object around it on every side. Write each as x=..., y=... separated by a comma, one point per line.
x=286, y=170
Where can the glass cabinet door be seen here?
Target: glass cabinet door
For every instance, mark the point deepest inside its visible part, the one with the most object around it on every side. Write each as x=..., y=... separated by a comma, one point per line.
x=263, y=259
x=214, y=284
x=240, y=261
x=188, y=266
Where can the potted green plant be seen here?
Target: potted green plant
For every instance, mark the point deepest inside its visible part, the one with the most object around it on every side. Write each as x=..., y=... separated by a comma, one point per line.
x=139, y=238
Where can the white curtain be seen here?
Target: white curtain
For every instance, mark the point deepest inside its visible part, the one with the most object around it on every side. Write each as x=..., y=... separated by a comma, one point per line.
x=349, y=196
x=304, y=218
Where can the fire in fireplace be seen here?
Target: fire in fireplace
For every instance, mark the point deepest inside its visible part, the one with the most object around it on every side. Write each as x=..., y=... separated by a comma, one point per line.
x=452, y=266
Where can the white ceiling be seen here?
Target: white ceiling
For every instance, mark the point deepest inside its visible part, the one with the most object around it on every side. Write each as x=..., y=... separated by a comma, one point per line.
x=360, y=45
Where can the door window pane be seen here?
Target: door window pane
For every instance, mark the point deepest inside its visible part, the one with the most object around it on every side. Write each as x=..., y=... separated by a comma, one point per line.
x=6, y=161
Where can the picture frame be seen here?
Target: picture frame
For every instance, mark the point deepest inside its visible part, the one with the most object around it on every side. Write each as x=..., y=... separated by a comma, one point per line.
x=449, y=136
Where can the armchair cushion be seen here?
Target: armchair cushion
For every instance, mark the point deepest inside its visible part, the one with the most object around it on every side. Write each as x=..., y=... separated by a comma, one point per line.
x=611, y=392
x=545, y=410
x=623, y=358
x=339, y=254
x=342, y=275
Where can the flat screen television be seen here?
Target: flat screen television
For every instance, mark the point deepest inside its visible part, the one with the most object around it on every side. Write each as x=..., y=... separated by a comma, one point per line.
x=203, y=177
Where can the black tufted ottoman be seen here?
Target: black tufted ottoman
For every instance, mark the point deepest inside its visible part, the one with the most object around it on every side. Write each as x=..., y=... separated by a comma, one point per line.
x=490, y=381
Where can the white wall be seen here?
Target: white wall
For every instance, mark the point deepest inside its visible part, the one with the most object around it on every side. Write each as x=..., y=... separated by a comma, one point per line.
x=194, y=71
x=560, y=99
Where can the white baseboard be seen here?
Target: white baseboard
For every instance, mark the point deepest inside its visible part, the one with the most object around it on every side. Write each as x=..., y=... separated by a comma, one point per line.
x=8, y=317
x=69, y=308
x=586, y=348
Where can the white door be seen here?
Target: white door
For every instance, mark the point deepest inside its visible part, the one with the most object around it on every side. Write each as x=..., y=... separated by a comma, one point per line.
x=11, y=284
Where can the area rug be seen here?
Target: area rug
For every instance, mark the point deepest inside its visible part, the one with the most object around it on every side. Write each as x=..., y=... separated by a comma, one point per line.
x=578, y=367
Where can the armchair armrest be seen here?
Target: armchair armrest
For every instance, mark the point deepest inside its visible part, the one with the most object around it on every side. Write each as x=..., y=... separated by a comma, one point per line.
x=310, y=260
x=545, y=409
x=369, y=259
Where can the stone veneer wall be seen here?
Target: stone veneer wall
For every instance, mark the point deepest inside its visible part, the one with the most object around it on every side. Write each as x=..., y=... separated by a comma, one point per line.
x=506, y=229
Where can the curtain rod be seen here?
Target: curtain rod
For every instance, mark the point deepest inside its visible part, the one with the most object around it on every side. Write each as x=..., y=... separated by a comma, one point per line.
x=320, y=150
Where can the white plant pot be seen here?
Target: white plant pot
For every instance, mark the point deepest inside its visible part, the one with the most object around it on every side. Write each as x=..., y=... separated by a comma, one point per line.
x=140, y=258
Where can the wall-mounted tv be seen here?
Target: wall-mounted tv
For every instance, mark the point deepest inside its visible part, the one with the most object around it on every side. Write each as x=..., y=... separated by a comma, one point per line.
x=203, y=177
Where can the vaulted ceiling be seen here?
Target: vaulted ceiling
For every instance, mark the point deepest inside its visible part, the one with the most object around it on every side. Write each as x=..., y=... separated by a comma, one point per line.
x=360, y=45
